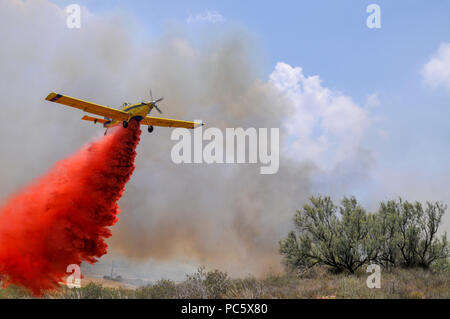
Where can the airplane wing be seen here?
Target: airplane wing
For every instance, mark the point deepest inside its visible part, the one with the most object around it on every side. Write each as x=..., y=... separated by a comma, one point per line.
x=88, y=106
x=158, y=121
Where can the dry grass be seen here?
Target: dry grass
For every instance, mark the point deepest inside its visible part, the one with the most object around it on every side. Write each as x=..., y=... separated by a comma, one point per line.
x=315, y=283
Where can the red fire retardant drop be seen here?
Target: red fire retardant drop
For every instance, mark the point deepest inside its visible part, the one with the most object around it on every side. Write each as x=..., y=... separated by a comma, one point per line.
x=62, y=218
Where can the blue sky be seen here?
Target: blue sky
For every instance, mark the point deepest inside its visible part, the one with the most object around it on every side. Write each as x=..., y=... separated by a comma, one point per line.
x=325, y=37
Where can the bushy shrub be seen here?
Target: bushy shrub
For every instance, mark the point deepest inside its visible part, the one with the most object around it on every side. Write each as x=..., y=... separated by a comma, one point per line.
x=203, y=284
x=91, y=291
x=162, y=289
x=413, y=240
x=347, y=237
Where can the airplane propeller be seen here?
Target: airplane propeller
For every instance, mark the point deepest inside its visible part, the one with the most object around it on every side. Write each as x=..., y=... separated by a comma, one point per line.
x=153, y=102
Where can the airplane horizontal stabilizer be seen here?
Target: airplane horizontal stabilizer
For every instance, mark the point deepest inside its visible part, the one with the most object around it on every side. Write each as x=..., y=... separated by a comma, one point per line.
x=93, y=119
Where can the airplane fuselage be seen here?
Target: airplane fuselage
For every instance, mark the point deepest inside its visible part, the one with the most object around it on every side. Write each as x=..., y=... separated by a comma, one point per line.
x=137, y=111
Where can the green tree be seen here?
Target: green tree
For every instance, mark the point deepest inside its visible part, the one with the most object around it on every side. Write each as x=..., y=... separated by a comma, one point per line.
x=330, y=235
x=415, y=242
x=347, y=237
x=387, y=234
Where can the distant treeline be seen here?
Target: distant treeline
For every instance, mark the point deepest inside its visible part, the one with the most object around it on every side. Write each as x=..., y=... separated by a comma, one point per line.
x=346, y=237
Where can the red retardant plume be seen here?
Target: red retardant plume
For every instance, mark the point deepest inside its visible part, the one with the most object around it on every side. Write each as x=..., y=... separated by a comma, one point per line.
x=62, y=218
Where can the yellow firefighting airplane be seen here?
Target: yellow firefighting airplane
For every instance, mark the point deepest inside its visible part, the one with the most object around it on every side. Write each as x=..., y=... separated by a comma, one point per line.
x=113, y=117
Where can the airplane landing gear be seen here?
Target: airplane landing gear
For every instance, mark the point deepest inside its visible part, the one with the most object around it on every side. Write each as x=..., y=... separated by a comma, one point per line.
x=125, y=124
x=150, y=128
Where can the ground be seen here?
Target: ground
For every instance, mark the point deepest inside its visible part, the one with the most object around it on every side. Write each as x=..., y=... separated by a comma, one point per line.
x=317, y=283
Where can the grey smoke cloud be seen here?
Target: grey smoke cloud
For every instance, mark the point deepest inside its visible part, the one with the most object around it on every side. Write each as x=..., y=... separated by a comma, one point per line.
x=227, y=216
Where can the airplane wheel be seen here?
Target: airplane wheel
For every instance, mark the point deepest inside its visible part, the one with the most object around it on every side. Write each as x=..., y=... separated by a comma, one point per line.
x=150, y=129
x=125, y=124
